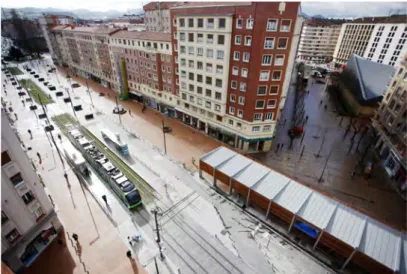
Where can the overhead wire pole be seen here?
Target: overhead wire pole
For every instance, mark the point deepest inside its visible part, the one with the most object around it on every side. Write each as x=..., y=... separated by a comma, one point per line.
x=90, y=96
x=157, y=230
x=118, y=112
x=163, y=129
x=70, y=99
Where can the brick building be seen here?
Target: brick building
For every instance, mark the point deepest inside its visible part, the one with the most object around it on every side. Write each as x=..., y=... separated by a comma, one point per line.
x=224, y=69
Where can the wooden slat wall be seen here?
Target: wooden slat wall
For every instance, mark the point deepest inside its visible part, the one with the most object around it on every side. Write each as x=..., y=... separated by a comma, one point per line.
x=337, y=245
x=205, y=167
x=241, y=189
x=282, y=213
x=370, y=264
x=259, y=200
x=222, y=177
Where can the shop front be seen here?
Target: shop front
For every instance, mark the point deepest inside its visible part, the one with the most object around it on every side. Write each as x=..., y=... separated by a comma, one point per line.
x=168, y=110
x=254, y=145
x=136, y=96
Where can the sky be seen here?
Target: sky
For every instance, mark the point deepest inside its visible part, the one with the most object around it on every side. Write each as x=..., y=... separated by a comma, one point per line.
x=327, y=9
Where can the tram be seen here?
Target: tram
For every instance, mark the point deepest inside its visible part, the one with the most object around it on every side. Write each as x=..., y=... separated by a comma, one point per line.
x=115, y=139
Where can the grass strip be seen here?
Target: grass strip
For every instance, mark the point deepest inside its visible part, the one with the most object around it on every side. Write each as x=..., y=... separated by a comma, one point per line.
x=36, y=92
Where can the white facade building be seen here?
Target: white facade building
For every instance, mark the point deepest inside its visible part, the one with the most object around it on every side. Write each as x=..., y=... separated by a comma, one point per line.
x=318, y=40
x=378, y=39
x=29, y=222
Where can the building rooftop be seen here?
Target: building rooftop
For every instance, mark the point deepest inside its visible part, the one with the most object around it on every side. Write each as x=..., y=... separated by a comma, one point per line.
x=96, y=30
x=209, y=4
x=60, y=27
x=163, y=5
x=367, y=80
x=393, y=19
x=153, y=36
x=324, y=22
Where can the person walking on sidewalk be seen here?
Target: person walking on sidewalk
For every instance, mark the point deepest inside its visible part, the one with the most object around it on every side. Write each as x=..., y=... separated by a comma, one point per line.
x=59, y=137
x=128, y=254
x=15, y=115
x=22, y=101
x=39, y=157
x=104, y=198
x=129, y=112
x=278, y=147
x=31, y=135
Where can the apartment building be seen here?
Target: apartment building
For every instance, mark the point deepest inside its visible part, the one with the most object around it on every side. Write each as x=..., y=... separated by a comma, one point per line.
x=28, y=220
x=318, y=39
x=157, y=16
x=224, y=69
x=47, y=22
x=391, y=125
x=233, y=62
x=380, y=39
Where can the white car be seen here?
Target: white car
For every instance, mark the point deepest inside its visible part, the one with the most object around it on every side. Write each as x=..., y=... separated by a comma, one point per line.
x=119, y=110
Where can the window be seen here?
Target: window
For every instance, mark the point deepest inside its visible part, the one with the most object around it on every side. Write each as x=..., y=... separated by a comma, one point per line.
x=244, y=72
x=233, y=84
x=247, y=40
x=238, y=39
x=279, y=60
x=182, y=36
x=264, y=75
x=5, y=158
x=268, y=116
x=183, y=74
x=220, y=54
x=235, y=71
x=209, y=53
x=200, y=38
x=199, y=78
x=221, y=39
x=269, y=43
x=184, y=96
x=200, y=51
x=199, y=90
x=259, y=104
x=208, y=67
x=16, y=179
x=236, y=56
x=38, y=212
x=239, y=23
x=191, y=22
x=282, y=43
x=210, y=23
x=257, y=117
x=240, y=115
x=271, y=25
x=218, y=83
x=209, y=39
x=28, y=197
x=183, y=49
x=222, y=23
x=199, y=65
x=273, y=90
x=191, y=76
x=241, y=100
x=285, y=25
x=232, y=98
x=182, y=22
x=246, y=57
x=208, y=104
x=271, y=103
x=191, y=64
x=276, y=75
x=266, y=128
x=190, y=37
x=219, y=69
x=242, y=86
x=191, y=99
x=217, y=107
x=249, y=23
x=262, y=90
x=190, y=50
x=12, y=236
x=208, y=80
x=4, y=218
x=199, y=101
x=256, y=128
x=200, y=23
x=231, y=122
x=218, y=96
x=232, y=110
x=208, y=93
x=266, y=60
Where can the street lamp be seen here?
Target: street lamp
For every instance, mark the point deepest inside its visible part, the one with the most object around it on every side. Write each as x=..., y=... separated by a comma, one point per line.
x=163, y=129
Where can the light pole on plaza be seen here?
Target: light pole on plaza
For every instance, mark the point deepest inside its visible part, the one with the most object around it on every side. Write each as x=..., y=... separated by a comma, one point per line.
x=163, y=129
x=88, y=90
x=118, y=111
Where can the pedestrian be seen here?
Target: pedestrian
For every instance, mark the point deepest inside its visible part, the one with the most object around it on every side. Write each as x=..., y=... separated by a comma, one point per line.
x=282, y=145
x=22, y=101
x=59, y=137
x=306, y=118
x=320, y=102
x=285, y=120
x=325, y=107
x=39, y=157
x=29, y=132
x=128, y=254
x=66, y=176
x=129, y=112
x=278, y=146
x=15, y=115
x=5, y=92
x=4, y=86
x=130, y=241
x=104, y=198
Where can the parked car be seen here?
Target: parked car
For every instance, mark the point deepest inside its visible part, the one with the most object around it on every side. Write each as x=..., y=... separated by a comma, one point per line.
x=75, y=85
x=119, y=110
